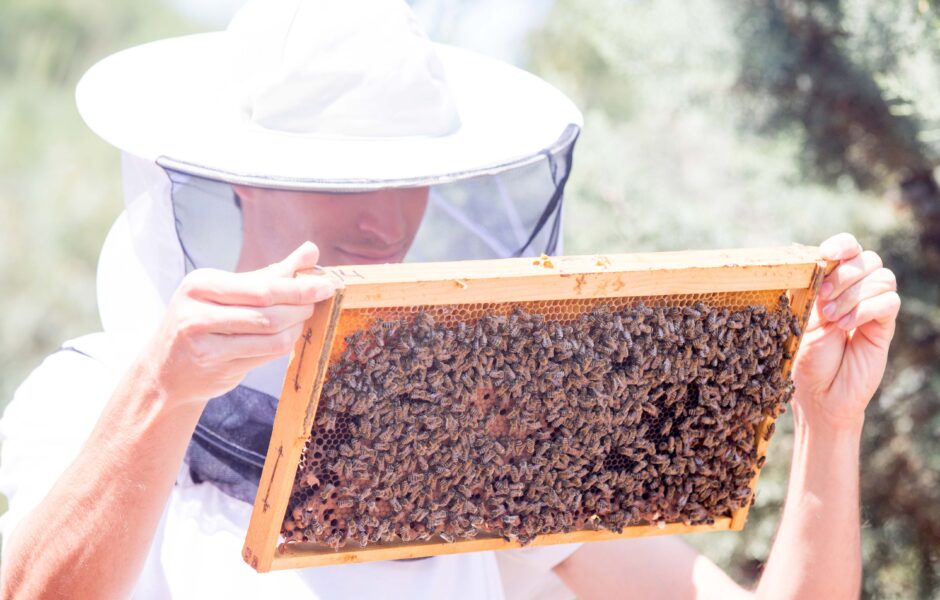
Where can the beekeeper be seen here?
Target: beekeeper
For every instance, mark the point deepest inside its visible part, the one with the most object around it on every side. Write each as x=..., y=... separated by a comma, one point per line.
x=316, y=132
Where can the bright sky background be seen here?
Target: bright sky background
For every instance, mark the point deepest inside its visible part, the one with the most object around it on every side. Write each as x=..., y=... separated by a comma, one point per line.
x=493, y=27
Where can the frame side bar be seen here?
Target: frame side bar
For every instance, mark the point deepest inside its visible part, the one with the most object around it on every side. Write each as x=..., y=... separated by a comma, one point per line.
x=296, y=408
x=802, y=302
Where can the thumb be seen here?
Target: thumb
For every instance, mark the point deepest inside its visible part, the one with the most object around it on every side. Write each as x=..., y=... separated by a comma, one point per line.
x=304, y=257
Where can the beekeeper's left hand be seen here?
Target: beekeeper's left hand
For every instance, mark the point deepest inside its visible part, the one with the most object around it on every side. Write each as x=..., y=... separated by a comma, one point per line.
x=844, y=351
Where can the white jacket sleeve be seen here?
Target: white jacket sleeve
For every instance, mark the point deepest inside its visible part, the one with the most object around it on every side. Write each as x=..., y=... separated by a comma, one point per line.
x=45, y=425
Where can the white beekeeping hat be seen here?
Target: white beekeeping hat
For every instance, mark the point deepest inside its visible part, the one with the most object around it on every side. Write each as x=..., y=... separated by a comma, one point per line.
x=319, y=94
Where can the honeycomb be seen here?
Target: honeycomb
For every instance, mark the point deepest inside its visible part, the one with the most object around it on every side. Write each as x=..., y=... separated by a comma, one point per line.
x=521, y=419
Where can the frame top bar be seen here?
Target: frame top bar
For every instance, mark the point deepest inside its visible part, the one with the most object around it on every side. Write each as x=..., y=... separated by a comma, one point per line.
x=575, y=277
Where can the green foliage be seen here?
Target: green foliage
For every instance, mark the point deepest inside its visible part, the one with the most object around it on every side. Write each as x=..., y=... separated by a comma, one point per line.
x=59, y=184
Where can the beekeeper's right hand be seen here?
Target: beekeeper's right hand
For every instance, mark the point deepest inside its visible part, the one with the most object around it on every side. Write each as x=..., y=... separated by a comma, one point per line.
x=220, y=325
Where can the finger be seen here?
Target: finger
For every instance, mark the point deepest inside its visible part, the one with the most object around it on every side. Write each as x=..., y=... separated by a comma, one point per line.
x=304, y=257
x=255, y=289
x=879, y=311
x=841, y=246
x=220, y=318
x=848, y=273
x=878, y=282
x=226, y=347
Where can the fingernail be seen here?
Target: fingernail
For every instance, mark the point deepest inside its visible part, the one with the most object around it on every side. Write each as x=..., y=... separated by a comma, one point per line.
x=825, y=289
x=829, y=310
x=844, y=321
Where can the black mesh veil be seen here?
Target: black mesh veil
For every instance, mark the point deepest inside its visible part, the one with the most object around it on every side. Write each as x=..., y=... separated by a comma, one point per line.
x=510, y=210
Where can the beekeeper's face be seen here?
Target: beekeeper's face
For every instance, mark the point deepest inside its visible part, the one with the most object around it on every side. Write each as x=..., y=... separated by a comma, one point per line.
x=373, y=227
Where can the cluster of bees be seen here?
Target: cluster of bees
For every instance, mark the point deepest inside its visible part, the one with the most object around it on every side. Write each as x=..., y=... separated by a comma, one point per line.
x=518, y=425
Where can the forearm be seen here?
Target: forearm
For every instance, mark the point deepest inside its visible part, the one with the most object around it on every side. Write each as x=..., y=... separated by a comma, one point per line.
x=817, y=551
x=91, y=534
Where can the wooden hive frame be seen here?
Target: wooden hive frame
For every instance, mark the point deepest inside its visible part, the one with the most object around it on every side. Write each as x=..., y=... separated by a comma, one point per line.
x=797, y=270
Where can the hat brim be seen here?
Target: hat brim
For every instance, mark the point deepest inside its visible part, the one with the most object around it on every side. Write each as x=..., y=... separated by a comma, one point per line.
x=170, y=101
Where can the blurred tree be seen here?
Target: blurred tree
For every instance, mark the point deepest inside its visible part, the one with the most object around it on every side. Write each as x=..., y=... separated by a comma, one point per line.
x=844, y=74
x=801, y=67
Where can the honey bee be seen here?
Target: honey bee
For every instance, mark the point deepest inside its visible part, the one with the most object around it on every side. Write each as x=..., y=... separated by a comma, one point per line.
x=326, y=490
x=770, y=431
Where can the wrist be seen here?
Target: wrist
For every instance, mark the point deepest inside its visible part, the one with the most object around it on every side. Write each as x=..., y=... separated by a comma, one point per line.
x=154, y=399
x=812, y=416
x=164, y=369
x=826, y=427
